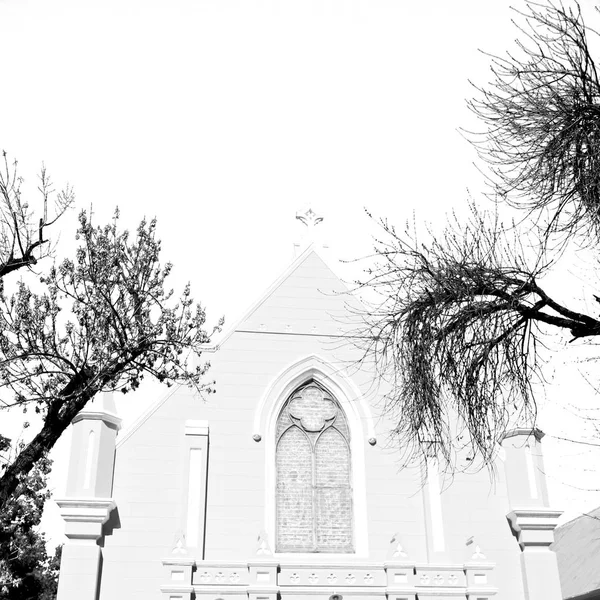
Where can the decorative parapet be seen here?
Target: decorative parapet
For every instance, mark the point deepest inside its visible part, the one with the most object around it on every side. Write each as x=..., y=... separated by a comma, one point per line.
x=270, y=579
x=221, y=574
x=452, y=576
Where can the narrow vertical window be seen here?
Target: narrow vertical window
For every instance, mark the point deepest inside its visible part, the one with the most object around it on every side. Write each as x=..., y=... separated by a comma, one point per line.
x=313, y=465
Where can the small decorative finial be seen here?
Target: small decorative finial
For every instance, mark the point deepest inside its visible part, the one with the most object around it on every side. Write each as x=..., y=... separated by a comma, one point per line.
x=477, y=554
x=396, y=550
x=309, y=218
x=263, y=545
x=179, y=547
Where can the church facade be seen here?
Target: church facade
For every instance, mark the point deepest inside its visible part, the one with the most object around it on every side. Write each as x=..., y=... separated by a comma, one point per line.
x=282, y=484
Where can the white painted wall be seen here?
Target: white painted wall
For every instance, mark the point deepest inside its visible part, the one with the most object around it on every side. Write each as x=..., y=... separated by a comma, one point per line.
x=284, y=338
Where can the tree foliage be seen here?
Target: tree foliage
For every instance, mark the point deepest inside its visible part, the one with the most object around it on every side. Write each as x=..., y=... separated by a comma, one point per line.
x=99, y=321
x=462, y=316
x=26, y=570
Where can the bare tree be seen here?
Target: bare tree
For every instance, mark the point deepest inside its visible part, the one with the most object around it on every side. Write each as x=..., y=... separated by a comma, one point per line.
x=457, y=332
x=22, y=231
x=462, y=317
x=541, y=113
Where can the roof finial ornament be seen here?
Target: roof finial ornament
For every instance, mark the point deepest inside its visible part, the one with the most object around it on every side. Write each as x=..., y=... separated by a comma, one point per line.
x=310, y=218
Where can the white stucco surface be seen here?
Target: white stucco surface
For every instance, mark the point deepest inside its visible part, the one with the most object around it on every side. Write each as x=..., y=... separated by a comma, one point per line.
x=452, y=534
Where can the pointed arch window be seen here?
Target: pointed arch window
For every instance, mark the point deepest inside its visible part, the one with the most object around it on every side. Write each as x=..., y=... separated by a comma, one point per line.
x=313, y=470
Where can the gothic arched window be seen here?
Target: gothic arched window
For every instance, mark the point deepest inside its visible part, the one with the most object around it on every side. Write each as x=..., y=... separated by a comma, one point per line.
x=314, y=491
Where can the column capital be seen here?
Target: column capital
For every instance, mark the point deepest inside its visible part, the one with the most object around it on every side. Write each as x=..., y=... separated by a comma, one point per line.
x=533, y=527
x=84, y=517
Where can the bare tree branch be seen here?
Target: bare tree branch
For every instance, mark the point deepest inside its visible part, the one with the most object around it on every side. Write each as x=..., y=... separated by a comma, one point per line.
x=21, y=235
x=457, y=331
x=541, y=113
x=462, y=317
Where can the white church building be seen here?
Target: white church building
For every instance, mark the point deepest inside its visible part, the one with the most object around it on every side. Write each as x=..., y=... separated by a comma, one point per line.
x=282, y=485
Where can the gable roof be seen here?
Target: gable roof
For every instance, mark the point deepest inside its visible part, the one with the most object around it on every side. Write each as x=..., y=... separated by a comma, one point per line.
x=577, y=547
x=308, y=280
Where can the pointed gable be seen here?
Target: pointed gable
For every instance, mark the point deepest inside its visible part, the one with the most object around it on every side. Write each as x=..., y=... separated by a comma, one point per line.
x=308, y=299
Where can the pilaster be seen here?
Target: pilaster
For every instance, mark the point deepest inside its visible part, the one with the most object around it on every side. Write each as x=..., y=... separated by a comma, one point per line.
x=178, y=575
x=263, y=579
x=80, y=562
x=88, y=503
x=531, y=521
x=434, y=513
x=534, y=530
x=401, y=579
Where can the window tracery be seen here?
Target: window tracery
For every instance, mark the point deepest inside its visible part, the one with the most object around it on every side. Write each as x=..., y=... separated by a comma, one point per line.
x=313, y=470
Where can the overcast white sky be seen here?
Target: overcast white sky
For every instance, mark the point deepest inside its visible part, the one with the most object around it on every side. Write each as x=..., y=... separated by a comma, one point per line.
x=223, y=117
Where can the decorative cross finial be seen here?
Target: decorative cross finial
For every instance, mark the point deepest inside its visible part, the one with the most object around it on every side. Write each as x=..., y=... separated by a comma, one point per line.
x=309, y=218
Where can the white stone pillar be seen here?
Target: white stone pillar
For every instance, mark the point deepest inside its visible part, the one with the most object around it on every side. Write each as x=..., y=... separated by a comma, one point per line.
x=534, y=530
x=88, y=503
x=263, y=579
x=80, y=561
x=531, y=520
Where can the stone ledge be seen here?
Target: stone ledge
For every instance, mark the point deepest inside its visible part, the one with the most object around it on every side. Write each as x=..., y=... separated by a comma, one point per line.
x=84, y=517
x=181, y=561
x=487, y=591
x=87, y=510
x=479, y=566
x=364, y=566
x=196, y=427
x=229, y=589
x=441, y=566
x=534, y=527
x=176, y=589
x=535, y=518
x=98, y=415
x=367, y=592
